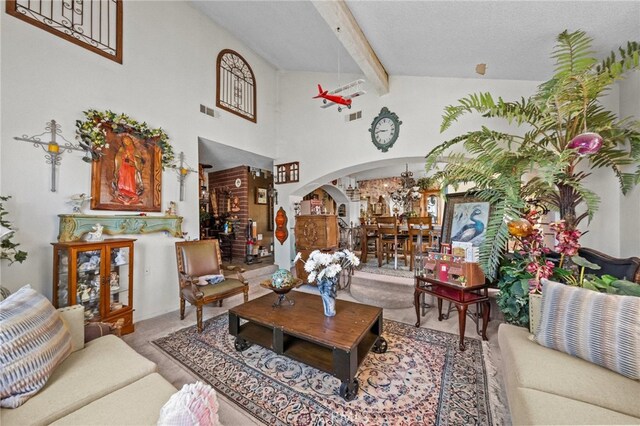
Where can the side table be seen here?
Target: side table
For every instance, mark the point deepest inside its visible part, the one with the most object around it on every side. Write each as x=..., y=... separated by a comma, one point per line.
x=460, y=296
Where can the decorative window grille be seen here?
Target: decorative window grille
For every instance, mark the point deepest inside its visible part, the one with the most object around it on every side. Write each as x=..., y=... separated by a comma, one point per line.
x=236, y=85
x=93, y=24
x=288, y=172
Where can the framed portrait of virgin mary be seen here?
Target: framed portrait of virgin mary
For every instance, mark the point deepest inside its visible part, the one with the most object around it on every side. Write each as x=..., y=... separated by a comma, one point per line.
x=128, y=176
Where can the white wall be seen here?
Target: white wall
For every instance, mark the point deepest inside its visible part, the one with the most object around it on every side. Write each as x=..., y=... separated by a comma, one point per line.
x=327, y=146
x=170, y=52
x=630, y=203
x=603, y=232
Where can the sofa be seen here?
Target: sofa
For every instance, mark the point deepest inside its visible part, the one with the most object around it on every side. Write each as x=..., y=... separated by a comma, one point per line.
x=545, y=386
x=103, y=382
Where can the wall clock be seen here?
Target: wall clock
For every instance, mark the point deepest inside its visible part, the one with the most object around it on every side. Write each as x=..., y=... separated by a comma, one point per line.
x=385, y=129
x=238, y=183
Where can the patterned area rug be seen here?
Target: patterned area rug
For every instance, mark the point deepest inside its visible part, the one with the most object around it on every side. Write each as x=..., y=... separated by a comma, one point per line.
x=422, y=379
x=387, y=268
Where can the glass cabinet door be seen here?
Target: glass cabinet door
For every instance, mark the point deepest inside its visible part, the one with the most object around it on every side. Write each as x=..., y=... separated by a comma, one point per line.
x=119, y=270
x=88, y=282
x=62, y=280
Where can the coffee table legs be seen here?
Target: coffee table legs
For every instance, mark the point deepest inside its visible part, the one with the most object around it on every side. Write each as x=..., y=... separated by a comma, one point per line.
x=485, y=319
x=462, y=322
x=241, y=344
x=380, y=346
x=349, y=389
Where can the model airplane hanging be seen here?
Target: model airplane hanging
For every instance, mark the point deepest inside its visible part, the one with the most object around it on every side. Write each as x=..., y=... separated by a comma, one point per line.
x=332, y=98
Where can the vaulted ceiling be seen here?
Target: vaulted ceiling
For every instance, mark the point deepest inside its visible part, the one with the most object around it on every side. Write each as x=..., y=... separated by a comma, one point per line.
x=424, y=38
x=427, y=38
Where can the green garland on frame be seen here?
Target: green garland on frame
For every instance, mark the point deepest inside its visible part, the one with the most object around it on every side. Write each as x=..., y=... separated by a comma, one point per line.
x=91, y=131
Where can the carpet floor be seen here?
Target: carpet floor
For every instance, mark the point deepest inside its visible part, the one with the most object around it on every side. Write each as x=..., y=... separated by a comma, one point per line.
x=387, y=268
x=421, y=379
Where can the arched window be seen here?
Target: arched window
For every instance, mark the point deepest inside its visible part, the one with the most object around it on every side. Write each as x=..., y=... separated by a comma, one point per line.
x=236, y=85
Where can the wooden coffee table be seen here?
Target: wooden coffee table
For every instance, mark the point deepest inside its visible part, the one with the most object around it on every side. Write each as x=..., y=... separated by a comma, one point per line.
x=302, y=332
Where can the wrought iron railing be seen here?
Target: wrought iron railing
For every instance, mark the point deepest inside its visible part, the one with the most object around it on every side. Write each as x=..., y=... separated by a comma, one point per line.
x=93, y=24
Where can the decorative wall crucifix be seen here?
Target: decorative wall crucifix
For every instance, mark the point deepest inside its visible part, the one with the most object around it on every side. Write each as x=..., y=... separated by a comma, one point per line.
x=53, y=151
x=183, y=170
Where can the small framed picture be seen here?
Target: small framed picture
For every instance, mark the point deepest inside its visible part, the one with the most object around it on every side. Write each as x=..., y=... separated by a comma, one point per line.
x=261, y=195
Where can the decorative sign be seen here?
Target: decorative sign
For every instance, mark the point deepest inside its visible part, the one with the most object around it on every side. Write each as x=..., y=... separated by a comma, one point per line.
x=235, y=85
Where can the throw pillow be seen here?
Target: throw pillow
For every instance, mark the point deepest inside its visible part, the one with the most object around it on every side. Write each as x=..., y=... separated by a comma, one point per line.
x=33, y=342
x=194, y=404
x=93, y=330
x=601, y=328
x=210, y=279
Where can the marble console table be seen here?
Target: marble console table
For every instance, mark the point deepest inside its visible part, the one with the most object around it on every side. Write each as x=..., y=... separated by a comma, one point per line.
x=74, y=226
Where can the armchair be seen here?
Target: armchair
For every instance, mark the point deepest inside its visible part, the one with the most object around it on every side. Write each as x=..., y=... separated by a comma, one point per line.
x=196, y=259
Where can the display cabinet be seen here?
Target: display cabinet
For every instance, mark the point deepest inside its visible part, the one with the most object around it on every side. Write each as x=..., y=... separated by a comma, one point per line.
x=97, y=275
x=315, y=232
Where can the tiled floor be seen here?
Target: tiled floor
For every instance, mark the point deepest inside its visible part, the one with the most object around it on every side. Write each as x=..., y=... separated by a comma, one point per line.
x=230, y=414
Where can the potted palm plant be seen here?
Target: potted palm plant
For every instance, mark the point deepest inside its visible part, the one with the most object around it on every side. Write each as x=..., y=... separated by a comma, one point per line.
x=565, y=133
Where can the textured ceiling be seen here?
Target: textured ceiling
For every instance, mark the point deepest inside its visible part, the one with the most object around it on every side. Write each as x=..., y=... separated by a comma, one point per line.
x=223, y=157
x=428, y=38
x=290, y=35
x=514, y=38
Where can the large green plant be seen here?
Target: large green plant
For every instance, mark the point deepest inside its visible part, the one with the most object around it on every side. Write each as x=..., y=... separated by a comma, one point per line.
x=8, y=249
x=562, y=108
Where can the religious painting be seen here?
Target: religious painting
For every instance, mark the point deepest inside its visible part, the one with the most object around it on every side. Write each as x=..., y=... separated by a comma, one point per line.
x=128, y=176
x=465, y=219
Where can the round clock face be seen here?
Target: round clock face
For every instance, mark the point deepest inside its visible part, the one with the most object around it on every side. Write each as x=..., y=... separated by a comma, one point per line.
x=385, y=129
x=238, y=183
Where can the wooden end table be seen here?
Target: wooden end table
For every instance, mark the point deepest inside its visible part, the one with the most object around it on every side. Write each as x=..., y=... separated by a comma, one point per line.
x=460, y=296
x=301, y=331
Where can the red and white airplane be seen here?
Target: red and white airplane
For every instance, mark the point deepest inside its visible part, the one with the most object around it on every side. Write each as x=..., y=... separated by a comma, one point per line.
x=332, y=98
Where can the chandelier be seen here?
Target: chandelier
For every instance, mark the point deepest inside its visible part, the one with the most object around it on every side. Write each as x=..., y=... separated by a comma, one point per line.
x=353, y=193
x=407, y=193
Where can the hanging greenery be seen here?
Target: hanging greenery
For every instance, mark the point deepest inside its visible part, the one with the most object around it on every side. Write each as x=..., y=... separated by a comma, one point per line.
x=92, y=131
x=566, y=133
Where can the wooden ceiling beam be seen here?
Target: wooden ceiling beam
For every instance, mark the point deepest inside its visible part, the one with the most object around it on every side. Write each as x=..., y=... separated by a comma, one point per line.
x=336, y=14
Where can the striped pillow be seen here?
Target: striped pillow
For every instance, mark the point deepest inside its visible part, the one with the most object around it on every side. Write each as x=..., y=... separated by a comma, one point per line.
x=33, y=342
x=601, y=328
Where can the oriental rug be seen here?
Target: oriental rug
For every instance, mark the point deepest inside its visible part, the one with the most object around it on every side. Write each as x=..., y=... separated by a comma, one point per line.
x=422, y=379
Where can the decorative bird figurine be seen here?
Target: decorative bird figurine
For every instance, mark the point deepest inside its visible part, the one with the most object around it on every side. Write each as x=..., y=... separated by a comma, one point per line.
x=77, y=200
x=470, y=230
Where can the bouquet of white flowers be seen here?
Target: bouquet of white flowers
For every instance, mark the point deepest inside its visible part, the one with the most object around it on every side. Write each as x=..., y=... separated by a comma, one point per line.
x=327, y=265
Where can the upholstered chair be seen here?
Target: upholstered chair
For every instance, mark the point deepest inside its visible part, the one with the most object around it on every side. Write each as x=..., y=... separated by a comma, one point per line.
x=198, y=259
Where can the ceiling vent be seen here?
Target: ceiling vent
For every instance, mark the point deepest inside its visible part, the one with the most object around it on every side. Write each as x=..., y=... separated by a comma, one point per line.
x=209, y=111
x=353, y=116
